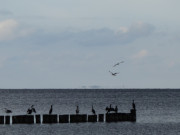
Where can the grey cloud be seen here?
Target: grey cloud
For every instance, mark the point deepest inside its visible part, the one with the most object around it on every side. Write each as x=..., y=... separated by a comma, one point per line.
x=107, y=36
x=94, y=37
x=142, y=29
x=98, y=37
x=5, y=12
x=84, y=38
x=135, y=31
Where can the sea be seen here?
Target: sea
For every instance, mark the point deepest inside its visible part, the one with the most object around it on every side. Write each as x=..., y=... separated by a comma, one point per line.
x=158, y=110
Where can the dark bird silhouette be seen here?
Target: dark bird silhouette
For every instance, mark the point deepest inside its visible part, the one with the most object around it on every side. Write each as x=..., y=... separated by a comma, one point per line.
x=51, y=109
x=93, y=111
x=114, y=74
x=77, y=110
x=118, y=63
x=133, y=105
x=7, y=111
x=33, y=109
x=29, y=111
x=116, y=109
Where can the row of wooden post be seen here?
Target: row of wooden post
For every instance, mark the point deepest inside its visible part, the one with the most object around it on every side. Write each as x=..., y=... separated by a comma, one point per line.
x=48, y=119
x=73, y=118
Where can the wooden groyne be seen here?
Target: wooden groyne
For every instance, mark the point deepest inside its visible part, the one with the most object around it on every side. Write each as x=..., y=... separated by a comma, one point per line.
x=1, y=119
x=49, y=118
x=64, y=118
x=77, y=118
x=23, y=119
x=101, y=118
x=92, y=118
x=117, y=117
x=38, y=119
x=68, y=118
x=7, y=119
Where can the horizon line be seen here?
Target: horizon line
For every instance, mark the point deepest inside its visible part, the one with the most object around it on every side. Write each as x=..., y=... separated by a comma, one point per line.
x=79, y=88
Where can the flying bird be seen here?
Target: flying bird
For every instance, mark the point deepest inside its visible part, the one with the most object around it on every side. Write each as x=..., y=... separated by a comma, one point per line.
x=118, y=63
x=114, y=74
x=7, y=111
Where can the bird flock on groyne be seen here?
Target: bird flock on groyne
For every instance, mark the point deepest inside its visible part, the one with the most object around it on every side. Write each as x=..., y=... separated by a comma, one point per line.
x=32, y=110
x=108, y=109
x=31, y=116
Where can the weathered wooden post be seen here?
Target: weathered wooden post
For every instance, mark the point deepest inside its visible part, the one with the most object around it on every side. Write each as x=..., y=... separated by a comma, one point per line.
x=7, y=119
x=38, y=119
x=48, y=119
x=101, y=118
x=75, y=118
x=23, y=119
x=92, y=118
x=63, y=118
x=133, y=114
x=1, y=119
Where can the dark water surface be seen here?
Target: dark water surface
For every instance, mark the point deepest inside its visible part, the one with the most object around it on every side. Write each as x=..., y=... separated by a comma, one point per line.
x=158, y=110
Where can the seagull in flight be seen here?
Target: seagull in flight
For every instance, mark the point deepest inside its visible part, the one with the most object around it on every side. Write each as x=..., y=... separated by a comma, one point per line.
x=114, y=74
x=118, y=63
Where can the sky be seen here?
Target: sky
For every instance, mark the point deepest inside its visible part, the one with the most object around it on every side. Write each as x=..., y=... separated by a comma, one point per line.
x=75, y=43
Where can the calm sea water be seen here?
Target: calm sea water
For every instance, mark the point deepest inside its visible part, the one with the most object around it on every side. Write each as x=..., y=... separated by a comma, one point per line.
x=158, y=110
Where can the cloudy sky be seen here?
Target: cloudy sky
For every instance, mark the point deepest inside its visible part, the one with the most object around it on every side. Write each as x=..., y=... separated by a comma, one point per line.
x=75, y=43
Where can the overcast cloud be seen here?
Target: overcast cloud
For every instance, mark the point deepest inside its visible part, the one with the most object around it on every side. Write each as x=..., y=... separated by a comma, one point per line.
x=74, y=44
x=5, y=13
x=9, y=30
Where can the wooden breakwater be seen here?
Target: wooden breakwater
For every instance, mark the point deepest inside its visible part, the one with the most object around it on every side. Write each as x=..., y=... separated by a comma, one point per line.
x=72, y=118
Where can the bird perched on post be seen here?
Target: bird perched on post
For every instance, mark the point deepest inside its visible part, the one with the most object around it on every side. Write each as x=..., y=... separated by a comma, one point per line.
x=33, y=109
x=133, y=105
x=93, y=111
x=77, y=110
x=51, y=109
x=7, y=111
x=116, y=109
